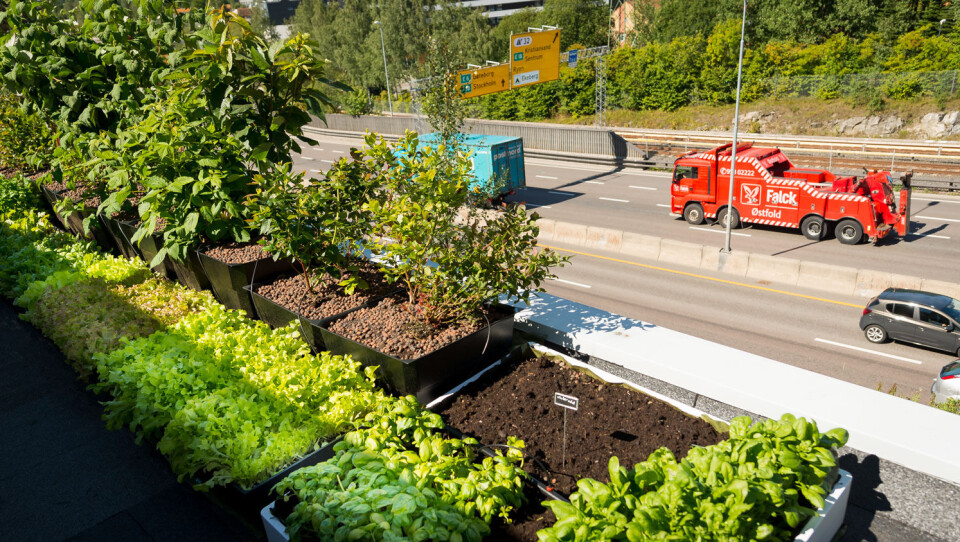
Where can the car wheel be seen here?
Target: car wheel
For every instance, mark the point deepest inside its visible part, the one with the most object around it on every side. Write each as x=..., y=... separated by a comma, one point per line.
x=693, y=213
x=875, y=334
x=731, y=214
x=813, y=228
x=849, y=231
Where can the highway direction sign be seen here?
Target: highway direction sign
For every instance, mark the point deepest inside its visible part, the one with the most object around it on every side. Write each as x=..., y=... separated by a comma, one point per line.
x=534, y=57
x=487, y=80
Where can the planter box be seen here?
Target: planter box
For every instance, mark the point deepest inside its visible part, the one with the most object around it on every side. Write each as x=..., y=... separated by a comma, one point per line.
x=52, y=198
x=249, y=501
x=120, y=237
x=271, y=313
x=190, y=272
x=820, y=528
x=824, y=526
x=433, y=373
x=227, y=280
x=148, y=247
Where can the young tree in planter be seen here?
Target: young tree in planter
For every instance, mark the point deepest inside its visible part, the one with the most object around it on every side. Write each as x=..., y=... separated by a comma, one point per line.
x=321, y=223
x=451, y=257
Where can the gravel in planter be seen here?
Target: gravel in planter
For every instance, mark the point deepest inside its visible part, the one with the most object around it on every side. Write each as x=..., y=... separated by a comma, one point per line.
x=290, y=290
x=237, y=253
x=612, y=420
x=392, y=327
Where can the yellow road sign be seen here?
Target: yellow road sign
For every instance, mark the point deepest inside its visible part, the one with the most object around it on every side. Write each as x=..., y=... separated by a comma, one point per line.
x=534, y=57
x=487, y=80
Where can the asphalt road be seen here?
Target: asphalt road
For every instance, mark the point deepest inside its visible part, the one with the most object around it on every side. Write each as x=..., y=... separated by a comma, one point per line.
x=803, y=328
x=638, y=201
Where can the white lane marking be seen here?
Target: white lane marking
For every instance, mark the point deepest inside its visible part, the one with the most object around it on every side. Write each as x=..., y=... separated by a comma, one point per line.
x=937, y=218
x=663, y=205
x=336, y=152
x=317, y=149
x=572, y=283
x=535, y=206
x=868, y=351
x=546, y=177
x=929, y=235
x=327, y=161
x=593, y=182
x=936, y=200
x=317, y=170
x=721, y=231
x=562, y=193
x=643, y=187
x=307, y=158
x=617, y=200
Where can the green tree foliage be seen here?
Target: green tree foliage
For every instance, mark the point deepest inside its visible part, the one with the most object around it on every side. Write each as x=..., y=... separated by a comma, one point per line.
x=583, y=22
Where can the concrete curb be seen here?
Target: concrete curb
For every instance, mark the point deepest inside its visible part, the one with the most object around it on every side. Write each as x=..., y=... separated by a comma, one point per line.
x=834, y=279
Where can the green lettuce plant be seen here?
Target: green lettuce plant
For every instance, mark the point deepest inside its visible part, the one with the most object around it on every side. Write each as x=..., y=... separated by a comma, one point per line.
x=400, y=478
x=759, y=484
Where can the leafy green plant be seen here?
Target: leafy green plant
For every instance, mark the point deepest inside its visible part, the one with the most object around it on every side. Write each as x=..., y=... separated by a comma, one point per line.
x=231, y=400
x=33, y=250
x=25, y=141
x=424, y=220
x=400, y=478
x=19, y=196
x=759, y=484
x=321, y=222
x=951, y=405
x=357, y=103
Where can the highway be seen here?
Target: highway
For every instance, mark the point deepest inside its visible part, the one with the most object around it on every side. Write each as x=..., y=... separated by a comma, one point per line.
x=807, y=329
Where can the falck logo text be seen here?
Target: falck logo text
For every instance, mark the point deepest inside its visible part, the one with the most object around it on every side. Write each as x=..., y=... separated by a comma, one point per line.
x=750, y=194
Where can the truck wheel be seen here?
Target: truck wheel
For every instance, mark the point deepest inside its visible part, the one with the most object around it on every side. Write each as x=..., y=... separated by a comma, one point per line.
x=734, y=217
x=813, y=228
x=693, y=213
x=849, y=231
x=875, y=334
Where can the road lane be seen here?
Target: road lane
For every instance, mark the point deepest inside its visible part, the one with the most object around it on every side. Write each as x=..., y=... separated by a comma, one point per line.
x=931, y=251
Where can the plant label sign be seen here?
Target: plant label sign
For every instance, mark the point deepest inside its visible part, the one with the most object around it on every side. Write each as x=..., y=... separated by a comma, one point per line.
x=566, y=401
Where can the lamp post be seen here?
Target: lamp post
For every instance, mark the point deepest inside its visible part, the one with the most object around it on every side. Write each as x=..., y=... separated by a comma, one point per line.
x=736, y=125
x=941, y=27
x=386, y=74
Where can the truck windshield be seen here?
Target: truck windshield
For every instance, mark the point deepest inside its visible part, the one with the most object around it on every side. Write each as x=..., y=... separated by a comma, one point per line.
x=684, y=172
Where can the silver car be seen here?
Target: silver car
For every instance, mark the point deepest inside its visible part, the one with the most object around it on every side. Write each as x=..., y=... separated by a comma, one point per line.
x=947, y=384
x=912, y=316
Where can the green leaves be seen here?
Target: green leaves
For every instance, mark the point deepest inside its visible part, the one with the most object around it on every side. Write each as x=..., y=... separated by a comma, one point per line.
x=759, y=484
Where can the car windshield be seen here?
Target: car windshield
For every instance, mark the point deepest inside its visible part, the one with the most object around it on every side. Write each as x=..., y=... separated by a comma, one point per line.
x=953, y=310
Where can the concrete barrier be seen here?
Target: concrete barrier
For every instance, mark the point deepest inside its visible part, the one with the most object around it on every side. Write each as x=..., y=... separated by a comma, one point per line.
x=604, y=238
x=574, y=234
x=640, y=245
x=829, y=278
x=680, y=253
x=773, y=268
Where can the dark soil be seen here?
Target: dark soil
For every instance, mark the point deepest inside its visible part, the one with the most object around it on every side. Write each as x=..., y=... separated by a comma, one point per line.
x=290, y=290
x=237, y=253
x=612, y=420
x=525, y=522
x=393, y=327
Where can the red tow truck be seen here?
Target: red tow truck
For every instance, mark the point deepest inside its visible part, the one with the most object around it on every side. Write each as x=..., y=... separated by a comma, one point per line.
x=769, y=190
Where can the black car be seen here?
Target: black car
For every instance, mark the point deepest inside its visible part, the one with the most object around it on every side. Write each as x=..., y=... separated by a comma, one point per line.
x=913, y=316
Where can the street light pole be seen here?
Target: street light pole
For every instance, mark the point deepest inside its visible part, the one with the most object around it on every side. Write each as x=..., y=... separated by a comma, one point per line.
x=941, y=27
x=736, y=125
x=386, y=74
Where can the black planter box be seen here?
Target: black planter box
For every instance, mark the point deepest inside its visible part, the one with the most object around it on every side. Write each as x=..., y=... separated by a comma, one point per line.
x=271, y=313
x=120, y=237
x=190, y=272
x=227, y=280
x=250, y=501
x=52, y=198
x=431, y=374
x=148, y=247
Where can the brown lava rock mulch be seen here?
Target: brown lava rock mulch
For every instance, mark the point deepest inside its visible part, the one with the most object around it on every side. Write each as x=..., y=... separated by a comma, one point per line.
x=393, y=328
x=234, y=253
x=611, y=421
x=290, y=290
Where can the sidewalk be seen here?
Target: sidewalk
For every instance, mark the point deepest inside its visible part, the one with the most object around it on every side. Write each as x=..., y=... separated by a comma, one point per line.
x=64, y=476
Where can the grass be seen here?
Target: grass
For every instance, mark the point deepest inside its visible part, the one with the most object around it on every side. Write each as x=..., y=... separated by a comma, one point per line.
x=802, y=116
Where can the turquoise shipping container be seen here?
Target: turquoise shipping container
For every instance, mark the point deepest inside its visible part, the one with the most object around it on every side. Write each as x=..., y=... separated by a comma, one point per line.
x=493, y=157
